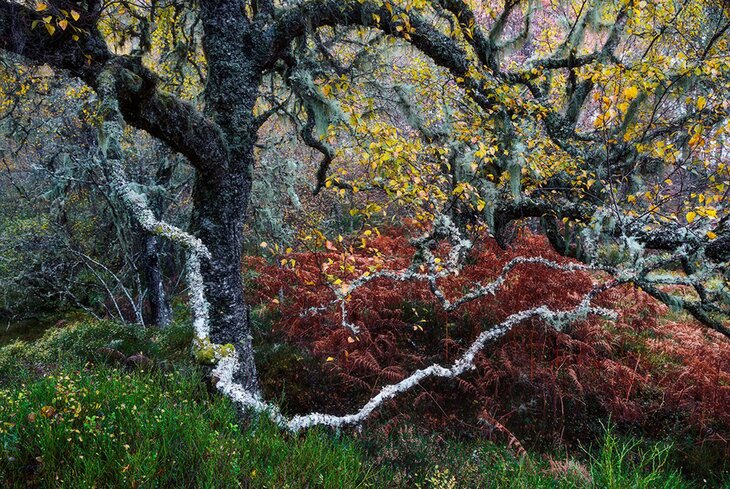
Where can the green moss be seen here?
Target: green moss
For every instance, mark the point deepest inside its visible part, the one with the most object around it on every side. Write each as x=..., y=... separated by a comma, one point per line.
x=227, y=349
x=206, y=352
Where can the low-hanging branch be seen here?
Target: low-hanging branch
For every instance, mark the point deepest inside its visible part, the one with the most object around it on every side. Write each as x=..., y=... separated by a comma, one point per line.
x=227, y=367
x=227, y=361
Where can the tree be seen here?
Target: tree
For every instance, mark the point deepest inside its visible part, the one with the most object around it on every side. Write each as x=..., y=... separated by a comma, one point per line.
x=608, y=125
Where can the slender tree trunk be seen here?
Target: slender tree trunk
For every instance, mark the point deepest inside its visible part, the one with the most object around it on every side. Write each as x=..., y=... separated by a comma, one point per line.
x=159, y=302
x=160, y=311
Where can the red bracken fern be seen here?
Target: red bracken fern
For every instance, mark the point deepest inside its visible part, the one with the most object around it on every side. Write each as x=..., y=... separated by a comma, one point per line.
x=538, y=381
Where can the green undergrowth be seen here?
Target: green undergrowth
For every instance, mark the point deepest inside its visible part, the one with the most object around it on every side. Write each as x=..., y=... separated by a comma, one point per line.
x=70, y=418
x=75, y=344
x=100, y=426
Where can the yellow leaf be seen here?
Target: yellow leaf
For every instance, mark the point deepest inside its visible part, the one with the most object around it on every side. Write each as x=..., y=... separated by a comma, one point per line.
x=631, y=92
x=75, y=15
x=711, y=235
x=696, y=140
x=63, y=24
x=701, y=103
x=41, y=7
x=51, y=29
x=330, y=359
x=691, y=216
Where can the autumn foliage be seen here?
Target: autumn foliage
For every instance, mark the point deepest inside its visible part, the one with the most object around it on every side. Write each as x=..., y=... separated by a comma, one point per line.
x=651, y=370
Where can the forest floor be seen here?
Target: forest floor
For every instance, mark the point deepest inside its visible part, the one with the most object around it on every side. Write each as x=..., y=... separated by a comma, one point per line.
x=103, y=404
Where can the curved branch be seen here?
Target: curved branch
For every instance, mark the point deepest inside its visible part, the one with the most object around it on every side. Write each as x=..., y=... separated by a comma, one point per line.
x=313, y=14
x=227, y=366
x=142, y=103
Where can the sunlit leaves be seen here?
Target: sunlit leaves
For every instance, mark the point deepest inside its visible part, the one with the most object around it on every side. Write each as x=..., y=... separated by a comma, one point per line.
x=57, y=18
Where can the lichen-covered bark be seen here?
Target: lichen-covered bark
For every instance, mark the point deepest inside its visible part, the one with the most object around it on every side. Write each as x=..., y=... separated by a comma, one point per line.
x=232, y=48
x=219, y=208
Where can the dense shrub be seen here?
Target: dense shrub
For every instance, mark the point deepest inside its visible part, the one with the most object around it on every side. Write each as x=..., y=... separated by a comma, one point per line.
x=650, y=371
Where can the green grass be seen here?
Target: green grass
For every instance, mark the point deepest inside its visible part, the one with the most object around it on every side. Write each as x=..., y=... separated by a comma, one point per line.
x=69, y=420
x=107, y=427
x=626, y=463
x=423, y=460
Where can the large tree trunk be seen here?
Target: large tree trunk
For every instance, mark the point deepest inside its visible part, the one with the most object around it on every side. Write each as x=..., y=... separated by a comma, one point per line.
x=222, y=195
x=219, y=208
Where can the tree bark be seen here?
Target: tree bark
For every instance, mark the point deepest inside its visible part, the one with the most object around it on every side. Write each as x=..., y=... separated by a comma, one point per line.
x=233, y=48
x=160, y=311
x=219, y=210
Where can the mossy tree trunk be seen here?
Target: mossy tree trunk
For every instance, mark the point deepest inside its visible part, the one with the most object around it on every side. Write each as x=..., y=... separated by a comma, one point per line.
x=222, y=194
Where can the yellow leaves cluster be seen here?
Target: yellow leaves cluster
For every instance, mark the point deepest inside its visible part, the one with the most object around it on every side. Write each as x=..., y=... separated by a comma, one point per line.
x=59, y=18
x=631, y=92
